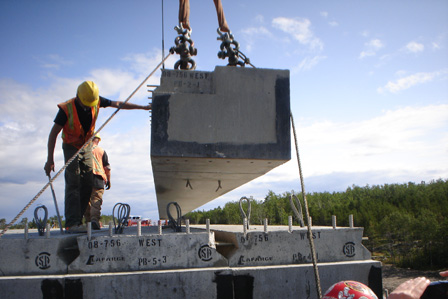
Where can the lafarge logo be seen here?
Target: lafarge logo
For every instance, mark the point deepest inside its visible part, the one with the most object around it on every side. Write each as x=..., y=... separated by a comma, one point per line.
x=43, y=260
x=90, y=260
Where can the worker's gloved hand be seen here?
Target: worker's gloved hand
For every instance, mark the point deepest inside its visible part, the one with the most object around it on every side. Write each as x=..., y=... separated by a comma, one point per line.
x=107, y=185
x=49, y=166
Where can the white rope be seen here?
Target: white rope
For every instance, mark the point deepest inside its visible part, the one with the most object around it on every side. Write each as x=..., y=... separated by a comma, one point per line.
x=310, y=235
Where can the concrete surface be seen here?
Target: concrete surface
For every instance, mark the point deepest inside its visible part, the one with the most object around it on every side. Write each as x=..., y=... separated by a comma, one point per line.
x=292, y=281
x=36, y=255
x=212, y=132
x=121, y=253
x=227, y=263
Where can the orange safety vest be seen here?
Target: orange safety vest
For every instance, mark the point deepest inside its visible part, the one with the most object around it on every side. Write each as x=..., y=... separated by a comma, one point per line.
x=72, y=132
x=98, y=167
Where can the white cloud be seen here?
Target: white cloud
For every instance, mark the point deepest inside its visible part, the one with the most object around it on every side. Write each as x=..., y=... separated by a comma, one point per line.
x=54, y=61
x=308, y=63
x=371, y=48
x=439, y=42
x=367, y=54
x=252, y=34
x=300, y=30
x=414, y=47
x=409, y=140
x=375, y=44
x=259, y=19
x=410, y=81
x=435, y=46
x=324, y=14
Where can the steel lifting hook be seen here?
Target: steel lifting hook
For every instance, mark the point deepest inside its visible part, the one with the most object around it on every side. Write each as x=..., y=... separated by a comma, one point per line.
x=41, y=223
x=56, y=205
x=243, y=214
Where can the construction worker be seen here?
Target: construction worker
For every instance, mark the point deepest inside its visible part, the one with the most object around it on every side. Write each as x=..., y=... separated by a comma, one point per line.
x=76, y=118
x=101, y=177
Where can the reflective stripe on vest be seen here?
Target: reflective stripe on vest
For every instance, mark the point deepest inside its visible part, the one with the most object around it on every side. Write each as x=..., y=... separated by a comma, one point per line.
x=98, y=167
x=73, y=132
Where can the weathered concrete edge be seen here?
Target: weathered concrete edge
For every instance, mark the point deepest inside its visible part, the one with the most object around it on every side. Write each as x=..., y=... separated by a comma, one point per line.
x=286, y=280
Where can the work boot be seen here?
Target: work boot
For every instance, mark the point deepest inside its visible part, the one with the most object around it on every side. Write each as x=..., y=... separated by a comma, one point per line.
x=95, y=225
x=76, y=229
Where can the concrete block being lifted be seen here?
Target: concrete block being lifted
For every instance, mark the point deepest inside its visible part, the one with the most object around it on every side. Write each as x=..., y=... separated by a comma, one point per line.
x=215, y=131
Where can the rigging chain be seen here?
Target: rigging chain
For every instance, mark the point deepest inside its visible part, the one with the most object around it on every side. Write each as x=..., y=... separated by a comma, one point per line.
x=76, y=154
x=185, y=46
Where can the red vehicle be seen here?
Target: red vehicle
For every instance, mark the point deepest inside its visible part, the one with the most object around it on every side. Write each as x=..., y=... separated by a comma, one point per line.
x=133, y=220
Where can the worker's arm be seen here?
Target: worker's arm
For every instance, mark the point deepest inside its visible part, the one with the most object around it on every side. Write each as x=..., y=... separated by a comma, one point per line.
x=49, y=165
x=107, y=171
x=129, y=106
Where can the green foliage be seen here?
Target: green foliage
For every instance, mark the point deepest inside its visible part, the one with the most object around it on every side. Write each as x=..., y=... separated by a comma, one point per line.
x=404, y=222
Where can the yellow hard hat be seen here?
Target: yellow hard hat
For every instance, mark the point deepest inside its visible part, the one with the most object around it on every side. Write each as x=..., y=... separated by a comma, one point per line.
x=97, y=135
x=88, y=93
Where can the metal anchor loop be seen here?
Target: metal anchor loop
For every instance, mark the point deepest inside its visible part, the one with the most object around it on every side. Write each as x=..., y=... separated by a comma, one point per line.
x=243, y=214
x=185, y=48
x=298, y=213
x=122, y=216
x=41, y=223
x=230, y=48
x=173, y=223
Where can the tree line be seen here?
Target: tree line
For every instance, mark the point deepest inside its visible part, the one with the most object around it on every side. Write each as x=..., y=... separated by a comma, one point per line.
x=406, y=224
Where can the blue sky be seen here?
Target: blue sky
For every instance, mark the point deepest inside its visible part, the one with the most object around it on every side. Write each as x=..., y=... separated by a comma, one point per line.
x=369, y=88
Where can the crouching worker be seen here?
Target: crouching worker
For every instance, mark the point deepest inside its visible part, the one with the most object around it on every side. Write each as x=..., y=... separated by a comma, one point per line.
x=101, y=177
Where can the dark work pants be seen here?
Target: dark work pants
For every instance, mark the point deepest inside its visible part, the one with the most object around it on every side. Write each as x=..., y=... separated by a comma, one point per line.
x=78, y=183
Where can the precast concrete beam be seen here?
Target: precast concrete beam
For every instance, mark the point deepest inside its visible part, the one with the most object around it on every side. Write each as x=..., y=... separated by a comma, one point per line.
x=121, y=253
x=257, y=248
x=215, y=131
x=286, y=281
x=36, y=255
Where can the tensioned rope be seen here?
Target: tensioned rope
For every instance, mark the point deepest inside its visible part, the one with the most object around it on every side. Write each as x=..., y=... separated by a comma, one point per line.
x=184, y=15
x=221, y=18
x=76, y=154
x=310, y=235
